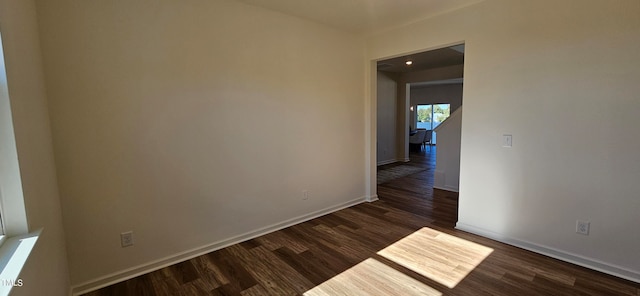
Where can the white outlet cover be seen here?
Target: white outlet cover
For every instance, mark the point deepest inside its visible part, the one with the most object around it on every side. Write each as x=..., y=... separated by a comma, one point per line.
x=126, y=239
x=507, y=140
x=582, y=227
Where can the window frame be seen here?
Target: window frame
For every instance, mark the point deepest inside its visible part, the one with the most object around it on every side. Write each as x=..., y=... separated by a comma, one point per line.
x=16, y=242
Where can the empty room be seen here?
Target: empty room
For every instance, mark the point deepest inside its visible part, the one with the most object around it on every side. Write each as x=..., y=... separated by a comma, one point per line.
x=231, y=147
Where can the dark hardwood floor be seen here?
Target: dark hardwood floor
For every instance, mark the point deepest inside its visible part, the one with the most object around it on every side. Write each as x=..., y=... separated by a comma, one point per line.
x=403, y=244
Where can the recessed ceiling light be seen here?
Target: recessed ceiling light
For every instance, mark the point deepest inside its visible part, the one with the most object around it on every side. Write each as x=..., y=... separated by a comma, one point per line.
x=409, y=62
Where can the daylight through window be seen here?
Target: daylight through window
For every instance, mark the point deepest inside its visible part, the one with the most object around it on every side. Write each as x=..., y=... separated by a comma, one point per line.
x=430, y=116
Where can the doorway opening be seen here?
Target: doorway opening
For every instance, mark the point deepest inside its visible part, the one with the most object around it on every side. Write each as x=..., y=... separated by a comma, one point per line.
x=415, y=92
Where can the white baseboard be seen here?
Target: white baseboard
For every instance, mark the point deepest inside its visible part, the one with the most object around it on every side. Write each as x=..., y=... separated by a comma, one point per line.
x=388, y=161
x=406, y=160
x=594, y=264
x=447, y=188
x=372, y=198
x=145, y=268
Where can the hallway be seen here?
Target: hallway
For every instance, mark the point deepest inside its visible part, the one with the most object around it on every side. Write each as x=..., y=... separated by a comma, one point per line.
x=415, y=193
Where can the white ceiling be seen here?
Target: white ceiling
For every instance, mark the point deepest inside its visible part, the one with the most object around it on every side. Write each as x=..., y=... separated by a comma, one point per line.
x=437, y=58
x=363, y=16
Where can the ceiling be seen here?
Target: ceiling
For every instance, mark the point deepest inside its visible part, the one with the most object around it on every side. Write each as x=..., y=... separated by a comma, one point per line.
x=437, y=58
x=371, y=16
x=363, y=16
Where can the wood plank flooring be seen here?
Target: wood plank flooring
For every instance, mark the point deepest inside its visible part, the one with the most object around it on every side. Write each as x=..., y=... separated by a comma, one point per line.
x=403, y=244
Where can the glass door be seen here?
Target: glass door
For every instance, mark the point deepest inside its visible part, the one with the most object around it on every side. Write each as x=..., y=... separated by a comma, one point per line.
x=425, y=114
x=430, y=116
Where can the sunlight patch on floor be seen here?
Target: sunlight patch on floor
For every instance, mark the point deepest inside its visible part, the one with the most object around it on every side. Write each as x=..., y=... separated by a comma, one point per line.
x=443, y=258
x=372, y=277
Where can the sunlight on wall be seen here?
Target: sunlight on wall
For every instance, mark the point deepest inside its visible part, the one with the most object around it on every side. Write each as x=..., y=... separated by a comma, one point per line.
x=13, y=255
x=372, y=277
x=441, y=257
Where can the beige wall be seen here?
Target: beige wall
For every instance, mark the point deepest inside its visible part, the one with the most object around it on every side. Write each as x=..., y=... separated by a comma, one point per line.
x=447, y=172
x=561, y=77
x=194, y=122
x=387, y=118
x=46, y=270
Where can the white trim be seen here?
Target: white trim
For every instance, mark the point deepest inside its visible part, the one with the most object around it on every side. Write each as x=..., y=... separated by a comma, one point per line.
x=447, y=188
x=388, y=161
x=406, y=160
x=437, y=82
x=13, y=255
x=2, y=230
x=145, y=268
x=392, y=161
x=372, y=198
x=594, y=264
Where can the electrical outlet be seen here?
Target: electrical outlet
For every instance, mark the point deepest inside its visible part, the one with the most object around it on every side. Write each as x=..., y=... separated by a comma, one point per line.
x=582, y=227
x=507, y=140
x=126, y=239
x=305, y=194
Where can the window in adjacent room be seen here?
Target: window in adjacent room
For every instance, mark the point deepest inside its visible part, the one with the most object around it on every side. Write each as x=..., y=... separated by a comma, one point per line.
x=430, y=116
